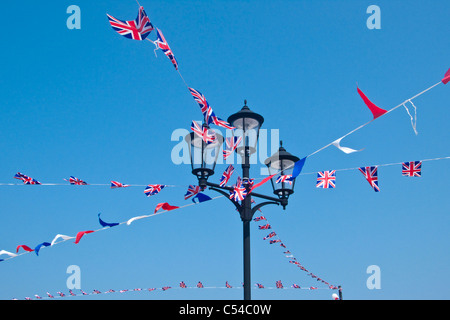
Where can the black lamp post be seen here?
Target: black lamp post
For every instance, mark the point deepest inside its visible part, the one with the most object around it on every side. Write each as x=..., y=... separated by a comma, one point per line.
x=203, y=160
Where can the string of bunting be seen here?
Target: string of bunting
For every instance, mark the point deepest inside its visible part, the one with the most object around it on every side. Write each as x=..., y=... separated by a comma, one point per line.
x=273, y=238
x=60, y=238
x=182, y=285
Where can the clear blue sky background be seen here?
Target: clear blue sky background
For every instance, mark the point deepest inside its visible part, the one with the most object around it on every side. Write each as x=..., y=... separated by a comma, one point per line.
x=101, y=107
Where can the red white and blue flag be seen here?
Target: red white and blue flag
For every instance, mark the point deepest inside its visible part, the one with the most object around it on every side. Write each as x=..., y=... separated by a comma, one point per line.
x=153, y=189
x=26, y=179
x=75, y=181
x=201, y=100
x=371, y=175
x=203, y=132
x=226, y=175
x=137, y=29
x=162, y=44
x=231, y=144
x=239, y=191
x=412, y=169
x=192, y=191
x=284, y=178
x=117, y=184
x=270, y=235
x=326, y=179
x=222, y=123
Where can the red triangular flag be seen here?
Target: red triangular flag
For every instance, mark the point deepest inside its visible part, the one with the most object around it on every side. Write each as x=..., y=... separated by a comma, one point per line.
x=81, y=234
x=165, y=206
x=446, y=77
x=262, y=182
x=376, y=111
x=24, y=247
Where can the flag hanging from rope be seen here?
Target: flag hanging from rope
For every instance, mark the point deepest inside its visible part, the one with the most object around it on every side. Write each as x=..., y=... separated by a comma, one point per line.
x=226, y=176
x=137, y=29
x=412, y=169
x=371, y=175
x=326, y=179
x=153, y=189
x=192, y=191
x=162, y=44
x=26, y=179
x=446, y=77
x=231, y=144
x=117, y=184
x=376, y=111
x=75, y=181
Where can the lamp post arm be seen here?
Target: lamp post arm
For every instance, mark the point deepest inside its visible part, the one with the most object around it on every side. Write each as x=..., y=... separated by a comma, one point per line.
x=259, y=205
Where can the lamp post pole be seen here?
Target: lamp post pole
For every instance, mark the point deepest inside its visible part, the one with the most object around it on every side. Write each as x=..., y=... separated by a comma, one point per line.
x=246, y=218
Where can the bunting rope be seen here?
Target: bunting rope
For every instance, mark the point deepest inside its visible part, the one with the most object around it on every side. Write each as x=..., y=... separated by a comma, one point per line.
x=379, y=165
x=181, y=286
x=80, y=234
x=273, y=238
x=363, y=125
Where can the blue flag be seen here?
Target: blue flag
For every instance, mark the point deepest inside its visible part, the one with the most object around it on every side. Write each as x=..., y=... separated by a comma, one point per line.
x=106, y=224
x=298, y=167
x=201, y=197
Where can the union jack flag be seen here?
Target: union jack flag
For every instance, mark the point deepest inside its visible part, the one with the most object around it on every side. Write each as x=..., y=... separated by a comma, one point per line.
x=166, y=288
x=222, y=123
x=162, y=44
x=326, y=179
x=231, y=143
x=371, y=175
x=75, y=181
x=239, y=191
x=270, y=235
x=259, y=218
x=226, y=176
x=203, y=132
x=296, y=286
x=200, y=285
x=49, y=295
x=201, y=100
x=412, y=169
x=227, y=285
x=182, y=284
x=259, y=286
x=26, y=179
x=274, y=241
x=137, y=29
x=278, y=284
x=153, y=189
x=192, y=191
x=265, y=227
x=209, y=115
x=116, y=184
x=61, y=294
x=284, y=178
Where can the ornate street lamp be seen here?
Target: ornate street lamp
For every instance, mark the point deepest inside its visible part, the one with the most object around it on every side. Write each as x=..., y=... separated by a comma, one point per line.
x=203, y=155
x=203, y=161
x=281, y=164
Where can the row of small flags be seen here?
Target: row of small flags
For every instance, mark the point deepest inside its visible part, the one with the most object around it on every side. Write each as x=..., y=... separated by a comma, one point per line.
x=273, y=237
x=199, y=285
x=325, y=180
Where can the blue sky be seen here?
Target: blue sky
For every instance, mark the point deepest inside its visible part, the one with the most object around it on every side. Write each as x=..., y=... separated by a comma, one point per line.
x=95, y=105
